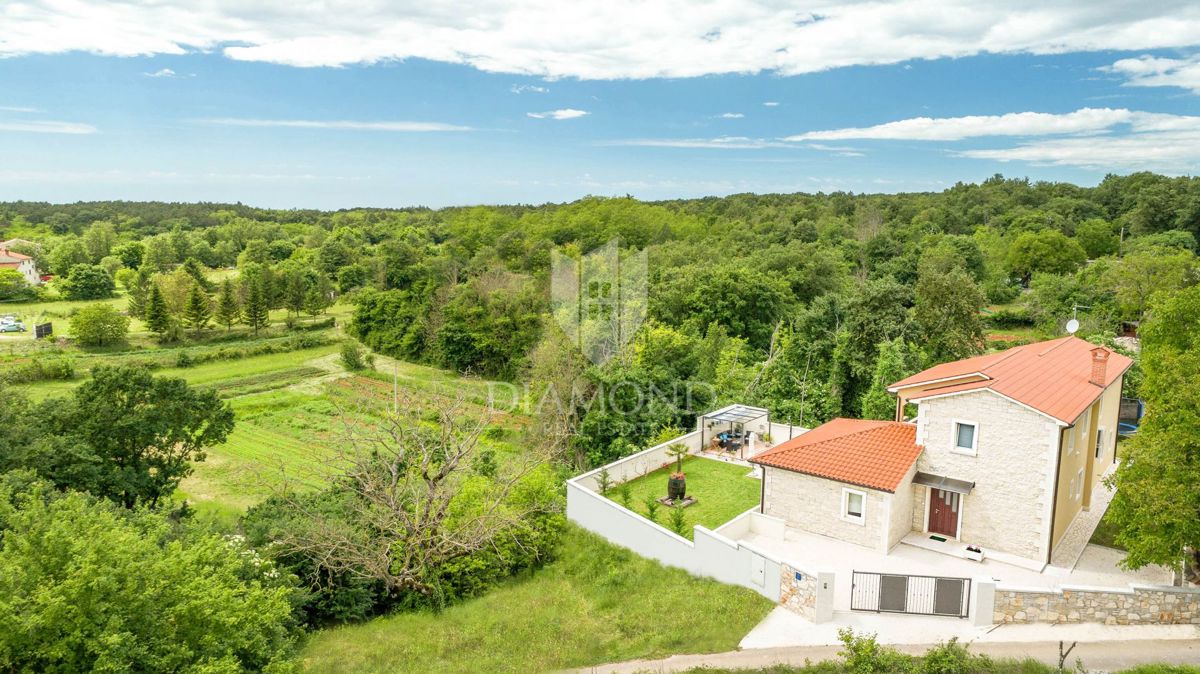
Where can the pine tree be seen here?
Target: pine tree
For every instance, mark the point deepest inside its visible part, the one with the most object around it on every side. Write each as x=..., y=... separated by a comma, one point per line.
x=138, y=293
x=192, y=267
x=228, y=308
x=198, y=310
x=158, y=316
x=295, y=295
x=255, y=312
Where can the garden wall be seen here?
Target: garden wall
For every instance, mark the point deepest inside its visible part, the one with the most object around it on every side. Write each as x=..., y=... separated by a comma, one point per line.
x=713, y=554
x=1135, y=605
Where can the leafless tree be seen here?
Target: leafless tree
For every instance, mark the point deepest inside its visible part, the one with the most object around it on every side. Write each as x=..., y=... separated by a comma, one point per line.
x=415, y=496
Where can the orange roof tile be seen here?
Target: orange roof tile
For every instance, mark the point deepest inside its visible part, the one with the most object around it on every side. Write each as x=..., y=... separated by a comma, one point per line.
x=874, y=454
x=10, y=255
x=1052, y=377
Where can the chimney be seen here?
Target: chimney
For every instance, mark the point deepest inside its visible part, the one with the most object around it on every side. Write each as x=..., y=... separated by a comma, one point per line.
x=1099, y=365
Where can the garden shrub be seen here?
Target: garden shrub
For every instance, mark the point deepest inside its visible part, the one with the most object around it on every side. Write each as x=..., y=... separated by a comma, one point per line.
x=954, y=658
x=1009, y=318
x=38, y=369
x=863, y=655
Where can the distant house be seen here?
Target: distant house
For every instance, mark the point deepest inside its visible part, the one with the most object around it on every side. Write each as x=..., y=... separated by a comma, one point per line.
x=22, y=263
x=1005, y=452
x=15, y=243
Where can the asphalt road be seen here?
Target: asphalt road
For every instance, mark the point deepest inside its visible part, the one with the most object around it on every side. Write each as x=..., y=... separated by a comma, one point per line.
x=1107, y=656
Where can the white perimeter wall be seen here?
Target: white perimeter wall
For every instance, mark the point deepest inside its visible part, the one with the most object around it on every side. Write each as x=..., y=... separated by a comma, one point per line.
x=637, y=465
x=713, y=554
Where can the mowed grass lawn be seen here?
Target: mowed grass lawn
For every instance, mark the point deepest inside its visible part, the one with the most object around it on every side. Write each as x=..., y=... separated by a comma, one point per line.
x=595, y=603
x=722, y=490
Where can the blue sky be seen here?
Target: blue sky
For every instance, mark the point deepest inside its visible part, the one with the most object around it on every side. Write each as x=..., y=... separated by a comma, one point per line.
x=106, y=104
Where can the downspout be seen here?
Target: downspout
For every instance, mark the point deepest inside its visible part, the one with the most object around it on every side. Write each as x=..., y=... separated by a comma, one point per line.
x=762, y=492
x=1054, y=496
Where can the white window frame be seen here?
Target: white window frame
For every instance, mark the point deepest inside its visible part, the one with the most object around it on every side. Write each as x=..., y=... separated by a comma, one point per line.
x=1077, y=486
x=974, y=450
x=1101, y=450
x=1071, y=448
x=861, y=520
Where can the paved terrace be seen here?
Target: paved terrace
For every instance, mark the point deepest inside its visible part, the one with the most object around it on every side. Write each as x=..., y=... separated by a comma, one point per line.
x=1096, y=565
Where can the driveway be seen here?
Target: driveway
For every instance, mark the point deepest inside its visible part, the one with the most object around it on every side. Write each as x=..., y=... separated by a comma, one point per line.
x=1097, y=656
x=1096, y=566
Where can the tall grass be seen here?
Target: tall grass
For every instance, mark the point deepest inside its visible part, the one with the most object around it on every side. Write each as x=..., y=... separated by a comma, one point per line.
x=594, y=603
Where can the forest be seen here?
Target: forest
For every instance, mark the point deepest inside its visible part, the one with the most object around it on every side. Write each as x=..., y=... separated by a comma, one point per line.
x=806, y=304
x=801, y=303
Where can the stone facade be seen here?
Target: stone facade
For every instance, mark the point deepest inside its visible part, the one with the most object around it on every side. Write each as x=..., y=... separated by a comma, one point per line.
x=1009, y=508
x=918, y=508
x=814, y=504
x=901, y=507
x=1110, y=606
x=799, y=596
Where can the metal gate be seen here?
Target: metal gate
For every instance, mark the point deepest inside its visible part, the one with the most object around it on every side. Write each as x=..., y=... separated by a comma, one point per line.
x=918, y=595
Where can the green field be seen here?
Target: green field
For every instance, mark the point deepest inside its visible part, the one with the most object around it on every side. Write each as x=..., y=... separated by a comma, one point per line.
x=595, y=603
x=280, y=436
x=722, y=490
x=211, y=374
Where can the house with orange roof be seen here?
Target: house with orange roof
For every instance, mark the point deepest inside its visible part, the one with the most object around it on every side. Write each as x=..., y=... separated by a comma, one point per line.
x=1005, y=451
x=22, y=263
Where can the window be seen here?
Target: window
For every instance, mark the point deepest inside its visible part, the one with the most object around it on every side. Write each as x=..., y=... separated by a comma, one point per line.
x=854, y=506
x=1070, y=440
x=1077, y=486
x=965, y=437
x=1099, y=442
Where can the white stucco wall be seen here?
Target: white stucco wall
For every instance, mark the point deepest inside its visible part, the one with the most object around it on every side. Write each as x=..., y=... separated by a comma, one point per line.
x=1013, y=471
x=713, y=554
x=814, y=504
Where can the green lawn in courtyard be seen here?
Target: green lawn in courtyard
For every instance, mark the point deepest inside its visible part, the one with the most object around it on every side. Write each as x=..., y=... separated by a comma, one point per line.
x=723, y=491
x=594, y=603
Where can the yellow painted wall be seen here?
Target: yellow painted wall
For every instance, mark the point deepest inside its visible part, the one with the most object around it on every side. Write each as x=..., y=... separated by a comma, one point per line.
x=1077, y=451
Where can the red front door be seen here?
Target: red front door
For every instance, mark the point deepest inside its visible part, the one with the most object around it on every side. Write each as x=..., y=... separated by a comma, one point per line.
x=943, y=512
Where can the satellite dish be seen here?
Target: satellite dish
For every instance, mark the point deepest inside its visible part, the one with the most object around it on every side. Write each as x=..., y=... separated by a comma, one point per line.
x=1072, y=326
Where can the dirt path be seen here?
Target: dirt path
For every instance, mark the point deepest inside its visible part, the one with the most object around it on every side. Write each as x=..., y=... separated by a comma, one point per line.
x=331, y=364
x=1107, y=656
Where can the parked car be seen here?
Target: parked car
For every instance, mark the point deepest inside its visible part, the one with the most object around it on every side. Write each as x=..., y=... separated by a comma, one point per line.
x=12, y=327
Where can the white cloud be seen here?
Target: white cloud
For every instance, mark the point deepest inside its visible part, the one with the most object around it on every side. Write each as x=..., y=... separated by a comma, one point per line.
x=1148, y=71
x=72, y=128
x=348, y=125
x=720, y=143
x=1084, y=120
x=564, y=113
x=528, y=89
x=1092, y=138
x=673, y=38
x=731, y=115
x=837, y=150
x=771, y=104
x=16, y=108
x=1168, y=152
x=165, y=72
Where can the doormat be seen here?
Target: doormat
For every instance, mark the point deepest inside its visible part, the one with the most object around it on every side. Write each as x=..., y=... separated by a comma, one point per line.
x=939, y=539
